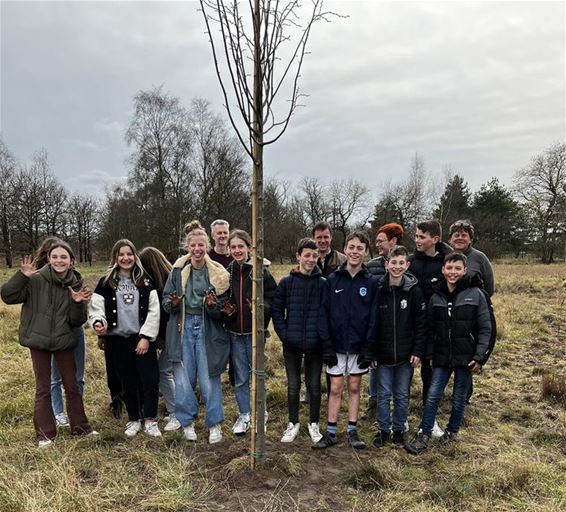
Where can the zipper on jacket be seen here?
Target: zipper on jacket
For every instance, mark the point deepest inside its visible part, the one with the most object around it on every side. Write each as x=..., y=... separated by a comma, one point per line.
x=394, y=326
x=241, y=300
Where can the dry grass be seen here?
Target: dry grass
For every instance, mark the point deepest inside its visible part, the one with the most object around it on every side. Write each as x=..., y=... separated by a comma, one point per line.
x=511, y=454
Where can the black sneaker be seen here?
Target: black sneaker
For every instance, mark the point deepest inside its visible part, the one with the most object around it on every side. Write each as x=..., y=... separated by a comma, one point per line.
x=381, y=438
x=355, y=441
x=448, y=438
x=418, y=445
x=327, y=440
x=371, y=411
x=399, y=439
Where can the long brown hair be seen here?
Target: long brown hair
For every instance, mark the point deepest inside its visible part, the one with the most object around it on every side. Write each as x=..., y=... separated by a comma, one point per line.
x=40, y=258
x=156, y=265
x=138, y=273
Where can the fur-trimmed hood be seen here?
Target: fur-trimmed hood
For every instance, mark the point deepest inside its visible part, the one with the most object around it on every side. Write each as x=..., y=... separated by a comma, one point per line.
x=218, y=275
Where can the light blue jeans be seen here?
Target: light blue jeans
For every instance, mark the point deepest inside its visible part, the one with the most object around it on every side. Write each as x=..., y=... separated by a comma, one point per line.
x=192, y=370
x=56, y=380
x=393, y=381
x=241, y=347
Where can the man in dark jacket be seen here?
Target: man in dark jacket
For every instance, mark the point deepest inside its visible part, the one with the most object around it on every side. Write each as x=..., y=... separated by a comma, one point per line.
x=426, y=266
x=328, y=258
x=460, y=330
x=347, y=327
x=295, y=312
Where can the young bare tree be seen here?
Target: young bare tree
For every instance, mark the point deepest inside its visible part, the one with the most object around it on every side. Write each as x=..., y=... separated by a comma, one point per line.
x=258, y=49
x=349, y=200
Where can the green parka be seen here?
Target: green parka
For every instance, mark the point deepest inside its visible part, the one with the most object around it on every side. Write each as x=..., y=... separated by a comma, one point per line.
x=49, y=316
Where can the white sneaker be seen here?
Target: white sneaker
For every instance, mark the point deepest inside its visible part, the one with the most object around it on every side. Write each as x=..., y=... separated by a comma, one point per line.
x=61, y=420
x=314, y=432
x=215, y=434
x=437, y=432
x=406, y=427
x=291, y=432
x=44, y=443
x=242, y=424
x=132, y=428
x=172, y=424
x=189, y=432
x=151, y=428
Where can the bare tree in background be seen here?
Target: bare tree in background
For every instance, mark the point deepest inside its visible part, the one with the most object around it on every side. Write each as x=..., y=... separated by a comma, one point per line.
x=259, y=60
x=8, y=178
x=316, y=200
x=349, y=201
x=541, y=189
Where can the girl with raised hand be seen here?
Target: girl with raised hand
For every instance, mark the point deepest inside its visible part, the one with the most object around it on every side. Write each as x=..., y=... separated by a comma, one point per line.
x=239, y=320
x=124, y=313
x=158, y=268
x=197, y=343
x=54, y=306
x=61, y=419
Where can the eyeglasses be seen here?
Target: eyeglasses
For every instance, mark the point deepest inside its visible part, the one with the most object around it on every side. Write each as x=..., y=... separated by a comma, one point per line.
x=382, y=241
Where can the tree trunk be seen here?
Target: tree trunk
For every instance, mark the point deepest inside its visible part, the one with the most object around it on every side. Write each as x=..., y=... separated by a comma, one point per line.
x=258, y=455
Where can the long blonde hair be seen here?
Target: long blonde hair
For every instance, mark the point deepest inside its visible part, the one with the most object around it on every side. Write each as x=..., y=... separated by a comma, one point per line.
x=156, y=265
x=139, y=275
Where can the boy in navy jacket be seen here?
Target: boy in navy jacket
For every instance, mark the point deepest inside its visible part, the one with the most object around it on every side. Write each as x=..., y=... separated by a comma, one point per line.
x=347, y=327
x=295, y=311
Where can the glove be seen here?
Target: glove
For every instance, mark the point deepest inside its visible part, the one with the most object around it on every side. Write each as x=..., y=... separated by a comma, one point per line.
x=363, y=362
x=329, y=356
x=229, y=308
x=210, y=298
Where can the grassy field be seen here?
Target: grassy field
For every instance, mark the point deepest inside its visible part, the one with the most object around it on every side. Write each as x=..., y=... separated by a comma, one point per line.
x=511, y=454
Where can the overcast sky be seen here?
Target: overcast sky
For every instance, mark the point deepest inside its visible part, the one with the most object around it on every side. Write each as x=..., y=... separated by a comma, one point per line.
x=476, y=86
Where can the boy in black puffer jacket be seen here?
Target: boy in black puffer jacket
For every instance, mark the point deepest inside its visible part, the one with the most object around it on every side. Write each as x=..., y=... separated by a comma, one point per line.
x=295, y=311
x=400, y=346
x=459, y=342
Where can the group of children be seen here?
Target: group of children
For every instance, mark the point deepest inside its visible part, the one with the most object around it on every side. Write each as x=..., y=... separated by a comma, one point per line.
x=196, y=314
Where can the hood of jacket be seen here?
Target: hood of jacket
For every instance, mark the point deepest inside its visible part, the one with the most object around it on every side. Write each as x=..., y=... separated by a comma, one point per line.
x=72, y=278
x=408, y=281
x=315, y=274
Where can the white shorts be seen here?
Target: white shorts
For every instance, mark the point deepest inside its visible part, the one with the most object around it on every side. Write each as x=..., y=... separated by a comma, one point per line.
x=347, y=365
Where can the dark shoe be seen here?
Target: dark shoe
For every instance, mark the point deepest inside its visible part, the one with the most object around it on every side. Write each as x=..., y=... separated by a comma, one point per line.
x=355, y=441
x=399, y=439
x=371, y=411
x=448, y=438
x=116, y=407
x=326, y=441
x=381, y=438
x=418, y=445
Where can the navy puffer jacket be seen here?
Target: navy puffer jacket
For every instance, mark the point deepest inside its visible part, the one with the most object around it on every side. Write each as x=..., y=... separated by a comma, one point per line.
x=349, y=311
x=402, y=329
x=295, y=310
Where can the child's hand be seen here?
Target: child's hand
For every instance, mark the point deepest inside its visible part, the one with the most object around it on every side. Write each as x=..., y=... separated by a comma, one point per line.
x=175, y=299
x=474, y=366
x=83, y=295
x=415, y=361
x=210, y=298
x=142, y=347
x=26, y=266
x=99, y=328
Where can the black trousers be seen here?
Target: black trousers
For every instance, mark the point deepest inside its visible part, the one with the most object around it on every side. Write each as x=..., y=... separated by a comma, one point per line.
x=313, y=369
x=139, y=375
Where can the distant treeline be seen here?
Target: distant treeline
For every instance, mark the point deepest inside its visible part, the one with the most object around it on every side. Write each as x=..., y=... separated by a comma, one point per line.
x=186, y=164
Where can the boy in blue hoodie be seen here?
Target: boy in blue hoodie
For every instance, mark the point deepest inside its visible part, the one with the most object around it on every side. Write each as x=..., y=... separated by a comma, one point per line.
x=347, y=327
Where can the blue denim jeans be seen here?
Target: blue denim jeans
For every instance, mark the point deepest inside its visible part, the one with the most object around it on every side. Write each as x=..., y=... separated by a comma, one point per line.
x=393, y=381
x=241, y=351
x=56, y=381
x=440, y=377
x=372, y=387
x=192, y=370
